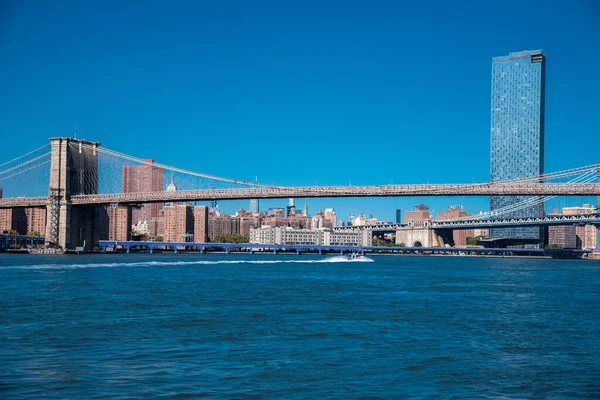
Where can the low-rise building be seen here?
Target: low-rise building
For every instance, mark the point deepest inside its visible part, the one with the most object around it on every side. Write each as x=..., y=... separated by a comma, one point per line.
x=420, y=212
x=562, y=236
x=315, y=237
x=459, y=236
x=586, y=234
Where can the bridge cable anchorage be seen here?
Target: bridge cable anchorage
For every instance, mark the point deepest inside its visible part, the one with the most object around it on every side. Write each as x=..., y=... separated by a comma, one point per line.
x=113, y=153
x=25, y=155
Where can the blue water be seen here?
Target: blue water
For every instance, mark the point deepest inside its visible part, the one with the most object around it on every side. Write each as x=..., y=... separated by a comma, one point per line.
x=295, y=327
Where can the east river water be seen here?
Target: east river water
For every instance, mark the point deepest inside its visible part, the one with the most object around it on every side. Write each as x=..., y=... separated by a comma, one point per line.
x=297, y=327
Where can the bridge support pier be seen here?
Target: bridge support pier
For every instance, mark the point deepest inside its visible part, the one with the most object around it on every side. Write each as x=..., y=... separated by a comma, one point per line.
x=73, y=171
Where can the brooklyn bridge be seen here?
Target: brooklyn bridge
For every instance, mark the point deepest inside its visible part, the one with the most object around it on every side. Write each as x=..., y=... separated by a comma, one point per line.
x=82, y=175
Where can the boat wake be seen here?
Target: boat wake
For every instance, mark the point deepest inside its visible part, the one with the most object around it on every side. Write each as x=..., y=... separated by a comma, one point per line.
x=145, y=264
x=349, y=259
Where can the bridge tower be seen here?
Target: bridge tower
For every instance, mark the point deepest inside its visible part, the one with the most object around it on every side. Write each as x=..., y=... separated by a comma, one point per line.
x=73, y=171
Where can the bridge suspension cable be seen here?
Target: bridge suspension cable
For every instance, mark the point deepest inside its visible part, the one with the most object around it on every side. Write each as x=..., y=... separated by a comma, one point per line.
x=588, y=177
x=16, y=167
x=556, y=175
x=25, y=155
x=23, y=176
x=123, y=156
x=24, y=170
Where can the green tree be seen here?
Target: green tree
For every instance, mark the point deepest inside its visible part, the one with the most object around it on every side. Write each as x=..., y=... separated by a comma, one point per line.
x=159, y=239
x=472, y=240
x=233, y=238
x=382, y=242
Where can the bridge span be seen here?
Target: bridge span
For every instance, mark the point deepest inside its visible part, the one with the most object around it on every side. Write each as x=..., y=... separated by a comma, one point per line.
x=486, y=189
x=482, y=223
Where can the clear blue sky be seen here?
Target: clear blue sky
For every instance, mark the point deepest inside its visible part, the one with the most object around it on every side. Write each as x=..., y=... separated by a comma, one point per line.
x=296, y=92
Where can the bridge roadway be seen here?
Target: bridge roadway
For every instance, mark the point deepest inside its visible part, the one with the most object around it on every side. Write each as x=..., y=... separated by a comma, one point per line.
x=548, y=220
x=485, y=189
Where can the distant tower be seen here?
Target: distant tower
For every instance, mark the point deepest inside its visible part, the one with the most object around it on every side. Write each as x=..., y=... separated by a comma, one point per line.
x=171, y=187
x=291, y=208
x=305, y=210
x=398, y=216
x=254, y=206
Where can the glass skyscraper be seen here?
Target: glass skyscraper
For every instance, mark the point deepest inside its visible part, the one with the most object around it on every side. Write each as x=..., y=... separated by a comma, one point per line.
x=517, y=134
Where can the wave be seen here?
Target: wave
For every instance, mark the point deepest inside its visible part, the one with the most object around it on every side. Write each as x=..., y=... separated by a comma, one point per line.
x=336, y=259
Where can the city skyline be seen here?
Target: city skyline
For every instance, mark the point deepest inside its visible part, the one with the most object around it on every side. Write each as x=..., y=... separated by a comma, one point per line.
x=295, y=86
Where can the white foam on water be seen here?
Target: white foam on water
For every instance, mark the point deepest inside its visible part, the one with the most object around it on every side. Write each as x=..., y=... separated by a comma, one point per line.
x=336, y=259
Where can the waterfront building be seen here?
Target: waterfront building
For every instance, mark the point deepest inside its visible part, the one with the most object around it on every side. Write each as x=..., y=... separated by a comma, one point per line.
x=398, y=216
x=315, y=237
x=222, y=225
x=517, y=133
x=6, y=218
x=36, y=220
x=304, y=209
x=420, y=212
x=12, y=219
x=141, y=179
x=201, y=224
x=23, y=220
x=114, y=222
x=562, y=236
x=586, y=234
x=178, y=223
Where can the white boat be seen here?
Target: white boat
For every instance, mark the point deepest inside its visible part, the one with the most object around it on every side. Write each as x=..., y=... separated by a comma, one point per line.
x=349, y=258
x=46, y=251
x=49, y=249
x=357, y=257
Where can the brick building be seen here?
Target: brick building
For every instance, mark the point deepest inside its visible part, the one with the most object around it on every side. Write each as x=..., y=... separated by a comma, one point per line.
x=142, y=179
x=178, y=223
x=459, y=235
